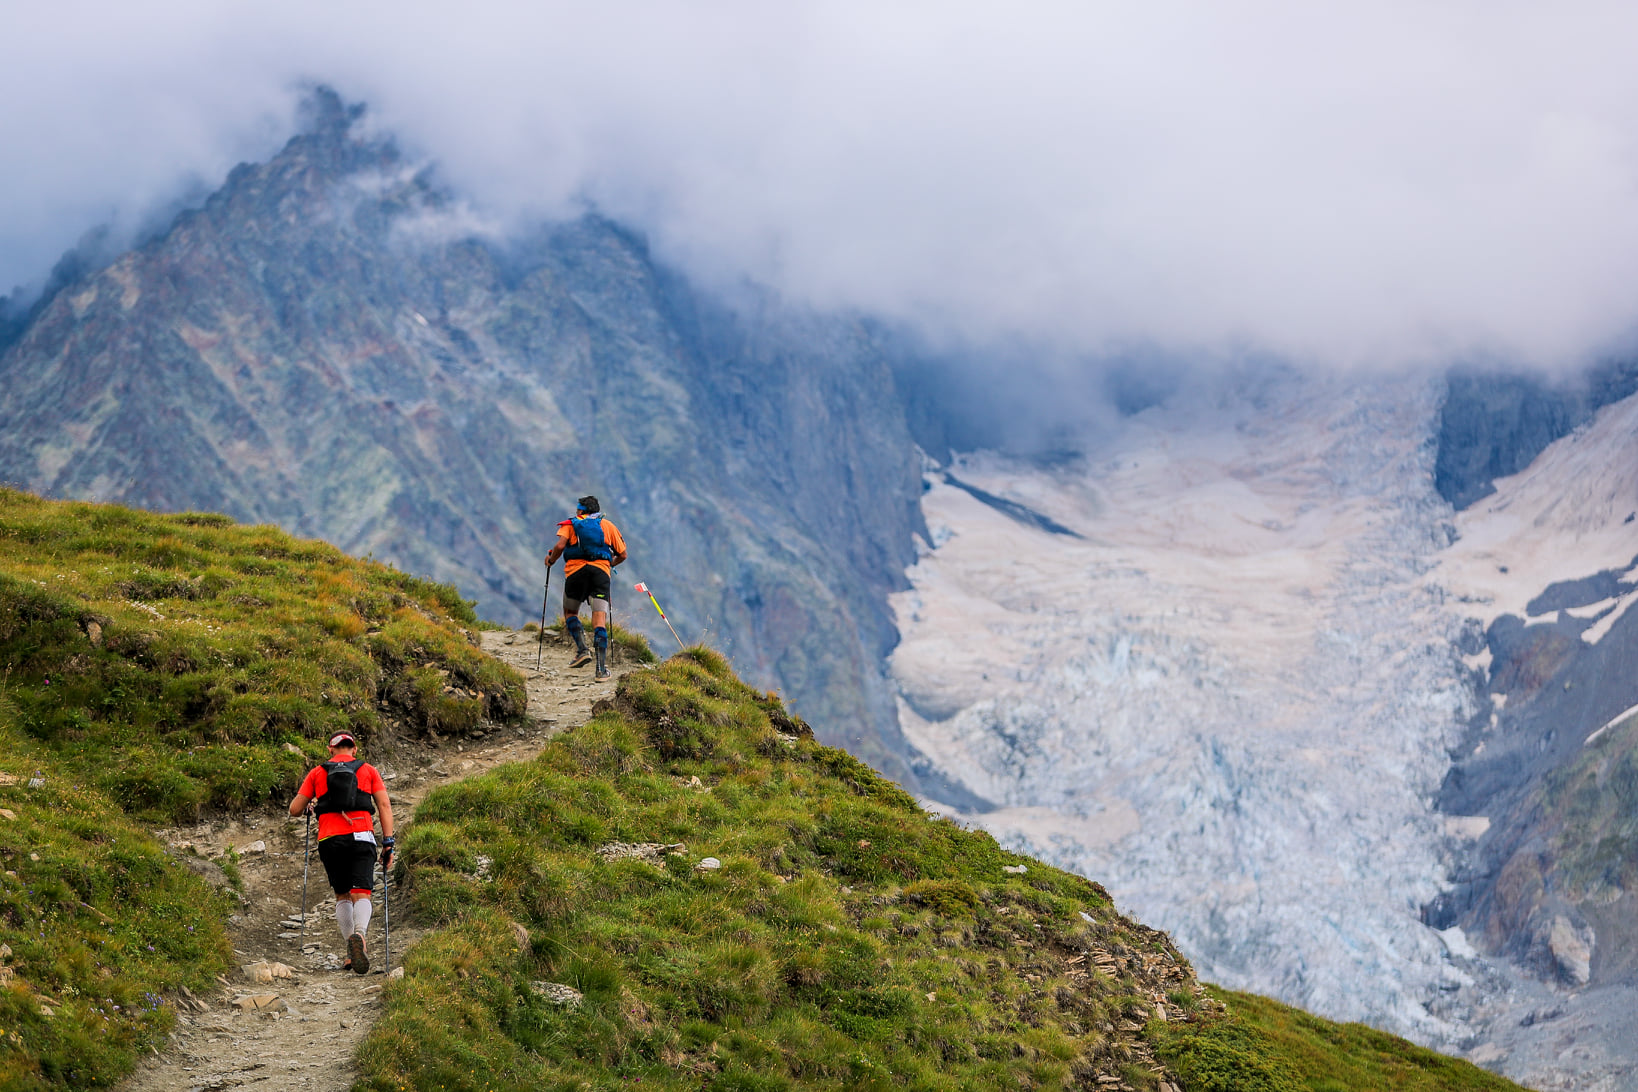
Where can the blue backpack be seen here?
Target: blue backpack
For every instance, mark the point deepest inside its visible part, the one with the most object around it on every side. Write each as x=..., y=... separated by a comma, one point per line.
x=589, y=544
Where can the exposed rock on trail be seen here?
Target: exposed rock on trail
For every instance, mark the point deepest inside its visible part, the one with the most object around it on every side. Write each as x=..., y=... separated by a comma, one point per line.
x=289, y=1018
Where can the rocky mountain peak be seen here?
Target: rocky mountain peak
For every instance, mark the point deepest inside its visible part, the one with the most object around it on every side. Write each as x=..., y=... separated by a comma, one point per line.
x=327, y=345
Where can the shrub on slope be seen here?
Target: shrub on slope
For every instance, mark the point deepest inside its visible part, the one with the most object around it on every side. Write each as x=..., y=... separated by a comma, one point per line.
x=847, y=940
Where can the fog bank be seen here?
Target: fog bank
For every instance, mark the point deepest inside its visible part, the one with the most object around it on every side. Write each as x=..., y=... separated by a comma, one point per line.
x=1377, y=185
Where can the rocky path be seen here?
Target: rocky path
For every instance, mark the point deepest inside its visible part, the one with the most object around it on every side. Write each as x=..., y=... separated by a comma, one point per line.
x=288, y=1019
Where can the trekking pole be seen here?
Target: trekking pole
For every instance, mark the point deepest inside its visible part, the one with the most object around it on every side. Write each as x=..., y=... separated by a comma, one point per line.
x=540, y=645
x=643, y=589
x=386, y=915
x=306, y=859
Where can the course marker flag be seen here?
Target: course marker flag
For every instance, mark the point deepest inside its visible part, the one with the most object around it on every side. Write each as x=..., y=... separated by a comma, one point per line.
x=642, y=589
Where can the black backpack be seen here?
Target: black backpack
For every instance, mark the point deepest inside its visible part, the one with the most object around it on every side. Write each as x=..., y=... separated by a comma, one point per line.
x=341, y=792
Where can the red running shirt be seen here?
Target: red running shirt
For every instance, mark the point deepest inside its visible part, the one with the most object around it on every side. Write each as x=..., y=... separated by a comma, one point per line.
x=343, y=822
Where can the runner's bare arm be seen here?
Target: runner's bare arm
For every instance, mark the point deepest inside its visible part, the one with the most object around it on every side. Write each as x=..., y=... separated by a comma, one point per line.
x=558, y=547
x=299, y=804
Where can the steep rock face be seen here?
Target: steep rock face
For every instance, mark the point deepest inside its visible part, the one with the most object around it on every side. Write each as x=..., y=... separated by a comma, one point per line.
x=1493, y=426
x=328, y=345
x=1548, y=568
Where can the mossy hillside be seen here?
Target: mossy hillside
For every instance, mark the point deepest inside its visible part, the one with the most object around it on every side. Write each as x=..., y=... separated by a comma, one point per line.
x=810, y=953
x=848, y=940
x=98, y=925
x=151, y=668
x=1269, y=1047
x=212, y=659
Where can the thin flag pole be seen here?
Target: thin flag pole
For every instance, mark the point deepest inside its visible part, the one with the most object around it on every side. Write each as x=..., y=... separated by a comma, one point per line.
x=642, y=589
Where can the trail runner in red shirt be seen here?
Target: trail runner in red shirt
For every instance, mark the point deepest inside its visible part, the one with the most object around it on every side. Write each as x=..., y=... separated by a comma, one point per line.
x=344, y=793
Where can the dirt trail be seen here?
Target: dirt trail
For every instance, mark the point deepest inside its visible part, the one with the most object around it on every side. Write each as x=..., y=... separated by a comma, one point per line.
x=299, y=1032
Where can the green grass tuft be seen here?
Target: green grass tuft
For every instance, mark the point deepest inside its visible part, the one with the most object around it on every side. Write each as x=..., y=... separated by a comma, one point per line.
x=1264, y=1046
x=102, y=925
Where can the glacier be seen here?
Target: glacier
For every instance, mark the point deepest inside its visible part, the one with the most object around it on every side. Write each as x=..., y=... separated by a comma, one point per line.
x=1224, y=684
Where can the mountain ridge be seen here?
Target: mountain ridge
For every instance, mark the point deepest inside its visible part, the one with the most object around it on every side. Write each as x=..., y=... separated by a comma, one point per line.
x=326, y=345
x=334, y=343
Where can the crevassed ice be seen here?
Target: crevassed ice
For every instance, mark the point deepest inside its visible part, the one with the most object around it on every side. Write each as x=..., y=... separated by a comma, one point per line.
x=1230, y=700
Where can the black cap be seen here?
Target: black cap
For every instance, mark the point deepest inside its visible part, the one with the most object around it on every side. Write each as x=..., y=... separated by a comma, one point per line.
x=589, y=504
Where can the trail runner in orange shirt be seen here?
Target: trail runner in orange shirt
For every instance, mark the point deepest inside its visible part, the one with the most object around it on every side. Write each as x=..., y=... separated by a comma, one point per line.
x=591, y=546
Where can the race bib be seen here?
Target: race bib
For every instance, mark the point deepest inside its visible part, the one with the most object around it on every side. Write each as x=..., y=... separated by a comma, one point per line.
x=364, y=836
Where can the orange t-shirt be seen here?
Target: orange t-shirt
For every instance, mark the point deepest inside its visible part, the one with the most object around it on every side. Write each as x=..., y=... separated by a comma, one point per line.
x=566, y=538
x=343, y=822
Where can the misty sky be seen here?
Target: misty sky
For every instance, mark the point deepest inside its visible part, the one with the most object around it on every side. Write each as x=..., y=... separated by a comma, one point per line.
x=1371, y=184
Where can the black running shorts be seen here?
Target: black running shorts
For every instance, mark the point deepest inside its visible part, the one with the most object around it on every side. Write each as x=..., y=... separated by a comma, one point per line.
x=349, y=863
x=586, y=582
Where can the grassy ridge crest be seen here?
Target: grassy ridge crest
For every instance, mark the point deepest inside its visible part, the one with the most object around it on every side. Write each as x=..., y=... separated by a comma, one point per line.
x=844, y=939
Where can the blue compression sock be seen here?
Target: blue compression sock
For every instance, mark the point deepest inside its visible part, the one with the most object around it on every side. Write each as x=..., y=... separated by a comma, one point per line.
x=600, y=637
x=577, y=631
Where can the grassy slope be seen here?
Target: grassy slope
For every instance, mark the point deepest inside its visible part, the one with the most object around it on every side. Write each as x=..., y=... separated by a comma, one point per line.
x=153, y=668
x=1265, y=1045
x=100, y=923
x=849, y=940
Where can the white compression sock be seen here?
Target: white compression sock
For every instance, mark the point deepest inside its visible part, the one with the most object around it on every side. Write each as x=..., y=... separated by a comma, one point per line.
x=344, y=918
x=361, y=917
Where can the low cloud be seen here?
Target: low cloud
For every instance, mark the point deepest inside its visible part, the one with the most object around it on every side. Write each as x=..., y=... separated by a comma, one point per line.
x=1382, y=185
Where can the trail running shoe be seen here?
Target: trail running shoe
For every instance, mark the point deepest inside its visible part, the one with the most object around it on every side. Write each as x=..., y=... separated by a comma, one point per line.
x=581, y=658
x=603, y=674
x=360, y=958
